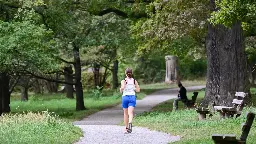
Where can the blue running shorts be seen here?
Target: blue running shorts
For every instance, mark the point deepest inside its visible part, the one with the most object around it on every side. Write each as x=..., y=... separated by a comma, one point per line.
x=128, y=100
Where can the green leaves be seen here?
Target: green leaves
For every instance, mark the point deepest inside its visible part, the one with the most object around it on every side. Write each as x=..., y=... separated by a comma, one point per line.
x=230, y=12
x=171, y=20
x=25, y=46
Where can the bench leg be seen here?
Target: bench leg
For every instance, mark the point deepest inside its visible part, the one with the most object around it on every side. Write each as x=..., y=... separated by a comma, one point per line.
x=222, y=115
x=201, y=116
x=227, y=115
x=237, y=115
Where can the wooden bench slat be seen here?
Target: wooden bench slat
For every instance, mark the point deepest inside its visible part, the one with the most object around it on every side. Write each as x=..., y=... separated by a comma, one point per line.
x=229, y=137
x=217, y=137
x=229, y=109
x=219, y=107
x=240, y=94
x=247, y=126
x=236, y=101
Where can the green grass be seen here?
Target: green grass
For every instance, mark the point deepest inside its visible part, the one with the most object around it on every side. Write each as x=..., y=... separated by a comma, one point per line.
x=62, y=106
x=65, y=108
x=26, y=125
x=39, y=128
x=185, y=123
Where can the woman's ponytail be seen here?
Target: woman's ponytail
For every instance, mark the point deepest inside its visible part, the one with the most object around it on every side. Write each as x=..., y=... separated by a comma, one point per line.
x=128, y=72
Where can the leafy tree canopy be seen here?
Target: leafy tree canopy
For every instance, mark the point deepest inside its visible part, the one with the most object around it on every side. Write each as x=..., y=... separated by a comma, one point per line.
x=170, y=20
x=230, y=11
x=25, y=46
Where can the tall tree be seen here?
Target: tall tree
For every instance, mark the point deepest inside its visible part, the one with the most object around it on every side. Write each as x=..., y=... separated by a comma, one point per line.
x=24, y=47
x=225, y=50
x=227, y=69
x=109, y=34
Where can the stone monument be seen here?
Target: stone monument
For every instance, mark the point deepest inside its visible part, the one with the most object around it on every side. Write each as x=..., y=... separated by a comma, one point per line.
x=171, y=69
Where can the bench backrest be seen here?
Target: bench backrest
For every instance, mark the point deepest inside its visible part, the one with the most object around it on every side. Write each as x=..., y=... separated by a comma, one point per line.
x=238, y=102
x=240, y=95
x=247, y=126
x=195, y=94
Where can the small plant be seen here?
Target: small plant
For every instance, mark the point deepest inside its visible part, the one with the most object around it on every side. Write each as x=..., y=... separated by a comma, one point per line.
x=97, y=93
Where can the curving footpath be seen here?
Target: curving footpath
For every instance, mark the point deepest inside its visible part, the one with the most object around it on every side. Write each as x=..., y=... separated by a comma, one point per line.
x=103, y=126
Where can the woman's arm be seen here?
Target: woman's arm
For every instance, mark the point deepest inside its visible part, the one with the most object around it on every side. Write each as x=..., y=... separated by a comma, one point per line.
x=137, y=87
x=122, y=86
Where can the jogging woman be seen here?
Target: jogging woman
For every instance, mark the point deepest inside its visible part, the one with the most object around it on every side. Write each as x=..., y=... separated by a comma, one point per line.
x=128, y=87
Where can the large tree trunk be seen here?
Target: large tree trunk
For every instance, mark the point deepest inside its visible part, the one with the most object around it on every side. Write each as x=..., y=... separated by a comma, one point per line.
x=78, y=85
x=226, y=69
x=69, y=78
x=114, y=75
x=5, y=92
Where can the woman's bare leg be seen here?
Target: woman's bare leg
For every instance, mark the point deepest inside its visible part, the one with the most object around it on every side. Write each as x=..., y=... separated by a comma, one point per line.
x=125, y=117
x=130, y=113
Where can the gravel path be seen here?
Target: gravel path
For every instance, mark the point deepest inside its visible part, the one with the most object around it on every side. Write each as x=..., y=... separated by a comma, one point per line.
x=102, y=127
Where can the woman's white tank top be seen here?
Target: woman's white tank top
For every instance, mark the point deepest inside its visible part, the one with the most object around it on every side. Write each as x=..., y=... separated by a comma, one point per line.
x=129, y=87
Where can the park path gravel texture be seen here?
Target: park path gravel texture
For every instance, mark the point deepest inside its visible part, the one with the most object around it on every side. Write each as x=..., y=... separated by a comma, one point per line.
x=103, y=126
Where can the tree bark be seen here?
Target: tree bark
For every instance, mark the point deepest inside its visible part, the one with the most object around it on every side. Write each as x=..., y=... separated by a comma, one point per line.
x=52, y=87
x=78, y=85
x=103, y=79
x=115, y=75
x=37, y=86
x=24, y=93
x=1, y=95
x=68, y=78
x=5, y=93
x=226, y=69
x=96, y=73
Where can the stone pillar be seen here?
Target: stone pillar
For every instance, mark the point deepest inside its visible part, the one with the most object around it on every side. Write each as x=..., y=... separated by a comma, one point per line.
x=171, y=69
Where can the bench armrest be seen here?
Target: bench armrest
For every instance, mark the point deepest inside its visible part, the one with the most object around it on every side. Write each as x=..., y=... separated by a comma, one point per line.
x=226, y=137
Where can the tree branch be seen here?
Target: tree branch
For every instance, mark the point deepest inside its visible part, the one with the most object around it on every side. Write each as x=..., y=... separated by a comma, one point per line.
x=116, y=11
x=65, y=61
x=14, y=84
x=49, y=79
x=134, y=1
x=122, y=14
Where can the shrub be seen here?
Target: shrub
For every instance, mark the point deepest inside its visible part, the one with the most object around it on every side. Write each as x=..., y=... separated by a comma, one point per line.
x=87, y=80
x=41, y=128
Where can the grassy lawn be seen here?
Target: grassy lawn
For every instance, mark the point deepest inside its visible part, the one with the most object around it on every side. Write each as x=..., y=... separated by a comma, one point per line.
x=185, y=123
x=39, y=128
x=35, y=120
x=65, y=108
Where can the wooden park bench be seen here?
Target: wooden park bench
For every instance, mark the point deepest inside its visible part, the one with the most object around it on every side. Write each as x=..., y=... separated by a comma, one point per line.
x=202, y=112
x=236, y=109
x=231, y=138
x=191, y=103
